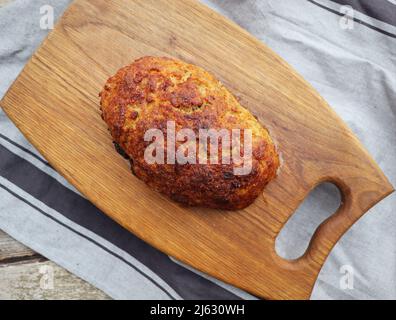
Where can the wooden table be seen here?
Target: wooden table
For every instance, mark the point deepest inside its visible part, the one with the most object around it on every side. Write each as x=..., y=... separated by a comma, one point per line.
x=22, y=273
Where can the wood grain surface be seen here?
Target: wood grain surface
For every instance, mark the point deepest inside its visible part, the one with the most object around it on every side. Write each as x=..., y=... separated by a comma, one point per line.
x=54, y=102
x=21, y=272
x=23, y=281
x=12, y=251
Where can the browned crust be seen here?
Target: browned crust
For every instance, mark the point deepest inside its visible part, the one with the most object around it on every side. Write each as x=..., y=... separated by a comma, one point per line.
x=153, y=90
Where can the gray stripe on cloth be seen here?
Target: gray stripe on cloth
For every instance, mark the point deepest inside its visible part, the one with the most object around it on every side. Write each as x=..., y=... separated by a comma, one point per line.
x=357, y=16
x=383, y=10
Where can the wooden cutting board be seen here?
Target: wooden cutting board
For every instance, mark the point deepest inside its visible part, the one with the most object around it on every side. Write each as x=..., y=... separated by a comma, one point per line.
x=55, y=104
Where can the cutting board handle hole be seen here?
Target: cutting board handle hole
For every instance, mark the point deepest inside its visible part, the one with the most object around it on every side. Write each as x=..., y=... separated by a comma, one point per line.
x=293, y=239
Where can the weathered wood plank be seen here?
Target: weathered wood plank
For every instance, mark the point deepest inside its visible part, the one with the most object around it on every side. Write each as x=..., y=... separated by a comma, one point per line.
x=25, y=274
x=44, y=280
x=14, y=251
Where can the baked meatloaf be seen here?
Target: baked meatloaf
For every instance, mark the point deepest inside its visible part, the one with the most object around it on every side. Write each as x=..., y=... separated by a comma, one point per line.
x=156, y=96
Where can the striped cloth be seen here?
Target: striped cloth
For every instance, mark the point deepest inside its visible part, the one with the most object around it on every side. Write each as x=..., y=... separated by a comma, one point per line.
x=352, y=67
